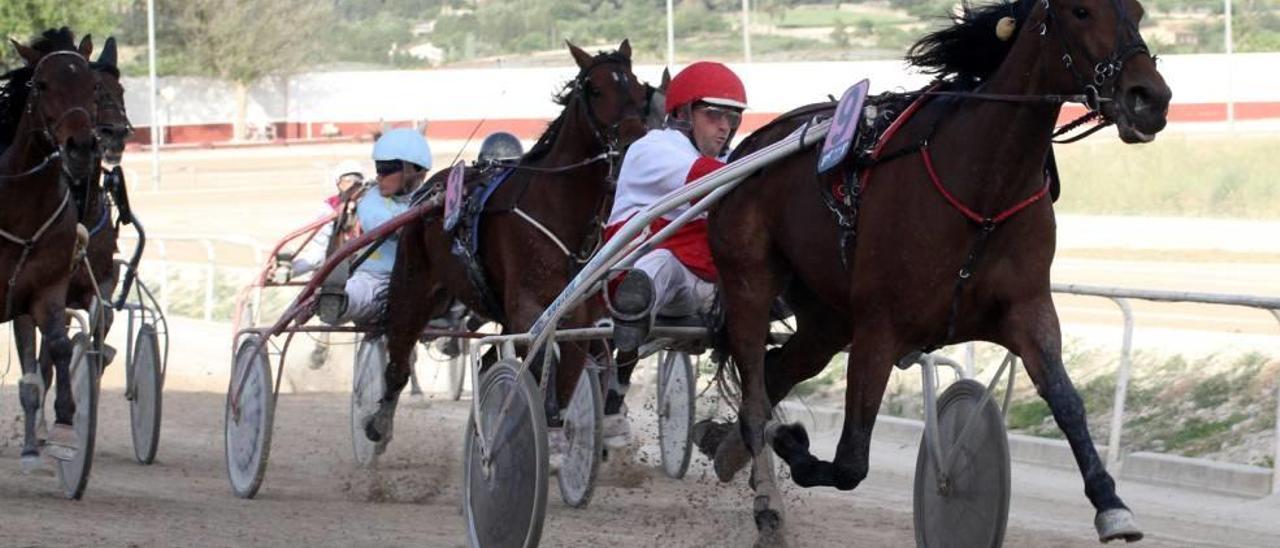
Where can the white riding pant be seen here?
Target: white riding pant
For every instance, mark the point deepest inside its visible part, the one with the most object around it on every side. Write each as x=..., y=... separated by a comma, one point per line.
x=677, y=291
x=366, y=297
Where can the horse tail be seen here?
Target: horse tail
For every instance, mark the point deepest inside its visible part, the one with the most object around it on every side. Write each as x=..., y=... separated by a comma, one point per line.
x=726, y=380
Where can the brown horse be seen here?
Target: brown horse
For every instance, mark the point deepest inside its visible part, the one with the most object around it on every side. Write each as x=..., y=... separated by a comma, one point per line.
x=523, y=268
x=957, y=188
x=49, y=107
x=94, y=211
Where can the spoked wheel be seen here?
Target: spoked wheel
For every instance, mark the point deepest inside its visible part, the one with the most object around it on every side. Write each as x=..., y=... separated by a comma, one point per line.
x=505, y=474
x=74, y=473
x=146, y=389
x=676, y=379
x=970, y=507
x=368, y=385
x=458, y=367
x=583, y=435
x=248, y=433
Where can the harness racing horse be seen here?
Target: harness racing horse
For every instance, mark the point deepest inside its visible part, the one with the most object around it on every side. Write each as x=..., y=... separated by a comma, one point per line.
x=534, y=232
x=951, y=239
x=49, y=107
x=93, y=209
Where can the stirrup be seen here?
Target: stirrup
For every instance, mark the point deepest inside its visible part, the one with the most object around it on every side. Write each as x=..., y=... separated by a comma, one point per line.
x=629, y=281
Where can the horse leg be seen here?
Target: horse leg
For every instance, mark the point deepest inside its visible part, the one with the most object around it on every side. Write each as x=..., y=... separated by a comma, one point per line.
x=820, y=334
x=1033, y=333
x=31, y=390
x=870, y=362
x=748, y=293
x=50, y=315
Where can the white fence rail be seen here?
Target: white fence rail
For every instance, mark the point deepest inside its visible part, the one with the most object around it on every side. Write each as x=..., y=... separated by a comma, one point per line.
x=1121, y=297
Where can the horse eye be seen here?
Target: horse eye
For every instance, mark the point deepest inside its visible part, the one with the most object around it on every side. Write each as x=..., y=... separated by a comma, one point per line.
x=1080, y=13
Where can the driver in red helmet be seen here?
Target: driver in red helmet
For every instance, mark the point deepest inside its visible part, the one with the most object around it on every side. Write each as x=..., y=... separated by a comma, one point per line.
x=704, y=107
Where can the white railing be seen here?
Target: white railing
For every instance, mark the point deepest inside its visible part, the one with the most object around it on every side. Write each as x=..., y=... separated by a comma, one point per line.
x=157, y=256
x=1121, y=297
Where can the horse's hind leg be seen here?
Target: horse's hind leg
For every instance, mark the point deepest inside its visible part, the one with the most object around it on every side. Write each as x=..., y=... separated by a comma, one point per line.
x=31, y=390
x=1032, y=332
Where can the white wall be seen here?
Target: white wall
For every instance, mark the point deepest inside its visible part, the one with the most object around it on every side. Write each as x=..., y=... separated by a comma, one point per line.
x=473, y=94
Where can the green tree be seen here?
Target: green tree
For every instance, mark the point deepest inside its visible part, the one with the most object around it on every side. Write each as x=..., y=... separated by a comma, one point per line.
x=242, y=41
x=21, y=20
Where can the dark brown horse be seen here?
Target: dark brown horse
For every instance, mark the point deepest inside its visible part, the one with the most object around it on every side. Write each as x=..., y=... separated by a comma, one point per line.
x=49, y=107
x=523, y=269
x=957, y=189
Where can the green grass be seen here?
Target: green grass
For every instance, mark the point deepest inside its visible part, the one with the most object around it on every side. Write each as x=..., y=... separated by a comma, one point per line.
x=1178, y=175
x=826, y=17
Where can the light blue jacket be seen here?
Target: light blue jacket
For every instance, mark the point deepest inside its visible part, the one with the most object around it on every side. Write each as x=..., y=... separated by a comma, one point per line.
x=373, y=211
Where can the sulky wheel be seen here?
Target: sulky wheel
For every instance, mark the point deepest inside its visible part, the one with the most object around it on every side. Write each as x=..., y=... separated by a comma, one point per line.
x=970, y=508
x=146, y=384
x=248, y=431
x=583, y=418
x=676, y=379
x=73, y=473
x=505, y=474
x=368, y=385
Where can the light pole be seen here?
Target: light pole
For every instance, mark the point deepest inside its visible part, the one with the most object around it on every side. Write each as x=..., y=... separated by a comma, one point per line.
x=671, y=35
x=151, y=64
x=746, y=30
x=1230, y=48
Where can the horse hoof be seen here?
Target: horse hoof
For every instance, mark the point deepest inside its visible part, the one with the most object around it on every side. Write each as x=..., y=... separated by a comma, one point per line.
x=787, y=439
x=557, y=446
x=31, y=463
x=731, y=456
x=63, y=443
x=1116, y=524
x=707, y=434
x=769, y=525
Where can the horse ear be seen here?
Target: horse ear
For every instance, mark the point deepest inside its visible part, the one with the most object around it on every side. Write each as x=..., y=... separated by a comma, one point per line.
x=625, y=48
x=86, y=46
x=581, y=57
x=108, y=55
x=29, y=55
x=666, y=79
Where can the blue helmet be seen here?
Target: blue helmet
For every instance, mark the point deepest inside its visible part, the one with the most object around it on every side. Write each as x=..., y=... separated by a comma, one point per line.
x=403, y=144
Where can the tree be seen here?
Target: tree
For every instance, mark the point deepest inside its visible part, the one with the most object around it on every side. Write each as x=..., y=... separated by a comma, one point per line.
x=243, y=41
x=23, y=19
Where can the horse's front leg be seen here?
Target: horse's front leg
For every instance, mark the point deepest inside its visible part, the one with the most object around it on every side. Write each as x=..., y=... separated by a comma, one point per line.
x=1032, y=332
x=871, y=358
x=49, y=313
x=31, y=390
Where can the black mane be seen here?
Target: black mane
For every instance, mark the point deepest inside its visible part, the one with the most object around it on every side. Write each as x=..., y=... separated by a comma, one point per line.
x=13, y=84
x=968, y=51
x=564, y=98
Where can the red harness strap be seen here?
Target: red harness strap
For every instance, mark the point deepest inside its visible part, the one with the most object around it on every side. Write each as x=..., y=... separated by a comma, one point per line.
x=969, y=213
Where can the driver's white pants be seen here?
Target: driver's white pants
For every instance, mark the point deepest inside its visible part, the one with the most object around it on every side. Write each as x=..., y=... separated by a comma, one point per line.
x=677, y=292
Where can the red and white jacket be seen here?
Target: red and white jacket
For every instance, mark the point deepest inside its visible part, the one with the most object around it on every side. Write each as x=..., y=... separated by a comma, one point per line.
x=661, y=162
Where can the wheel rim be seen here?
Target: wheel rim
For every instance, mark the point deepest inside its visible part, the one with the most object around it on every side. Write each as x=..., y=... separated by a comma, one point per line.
x=144, y=408
x=246, y=434
x=582, y=433
x=973, y=509
x=367, y=389
x=74, y=474
x=505, y=501
x=675, y=413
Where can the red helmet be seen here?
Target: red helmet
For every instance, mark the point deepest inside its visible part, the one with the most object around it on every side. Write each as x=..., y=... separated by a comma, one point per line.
x=708, y=82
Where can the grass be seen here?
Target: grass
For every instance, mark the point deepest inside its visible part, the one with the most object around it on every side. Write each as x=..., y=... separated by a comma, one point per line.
x=827, y=17
x=1177, y=175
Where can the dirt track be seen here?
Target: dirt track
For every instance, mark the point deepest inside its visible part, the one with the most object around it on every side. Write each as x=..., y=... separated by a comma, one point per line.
x=314, y=495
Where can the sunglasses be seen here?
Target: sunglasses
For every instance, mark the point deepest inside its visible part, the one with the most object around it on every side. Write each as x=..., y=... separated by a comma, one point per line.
x=720, y=114
x=388, y=167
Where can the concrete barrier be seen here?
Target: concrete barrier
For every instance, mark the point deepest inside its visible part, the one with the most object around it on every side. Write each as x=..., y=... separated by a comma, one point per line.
x=1185, y=472
x=1220, y=477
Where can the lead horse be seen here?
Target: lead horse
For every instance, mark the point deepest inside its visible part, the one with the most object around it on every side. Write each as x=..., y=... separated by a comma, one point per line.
x=48, y=108
x=951, y=239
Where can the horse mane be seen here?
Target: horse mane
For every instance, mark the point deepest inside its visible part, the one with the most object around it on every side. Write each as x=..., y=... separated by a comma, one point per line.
x=13, y=84
x=968, y=51
x=564, y=98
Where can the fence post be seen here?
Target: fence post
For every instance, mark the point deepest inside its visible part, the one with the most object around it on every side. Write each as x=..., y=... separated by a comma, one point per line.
x=164, y=276
x=208, y=280
x=1275, y=458
x=1122, y=388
